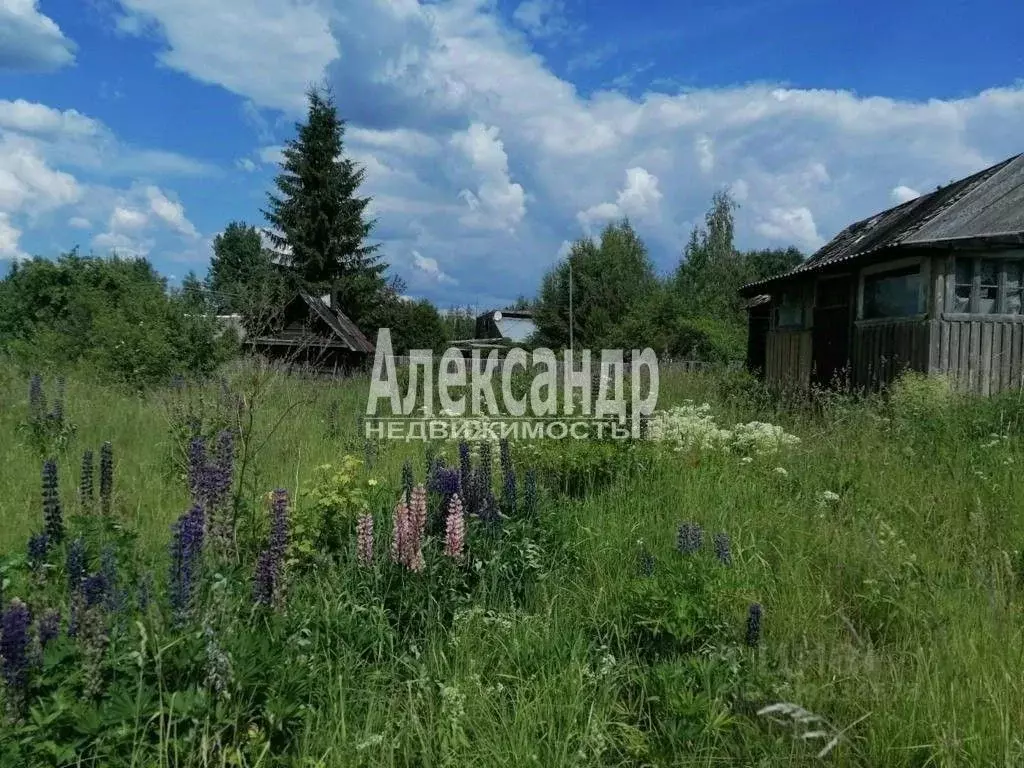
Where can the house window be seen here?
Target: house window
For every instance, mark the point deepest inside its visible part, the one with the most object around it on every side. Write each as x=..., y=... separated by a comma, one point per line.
x=988, y=286
x=790, y=312
x=964, y=286
x=1013, y=298
x=892, y=294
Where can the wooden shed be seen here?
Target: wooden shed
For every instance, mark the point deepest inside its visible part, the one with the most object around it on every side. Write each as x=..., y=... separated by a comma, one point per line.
x=310, y=332
x=933, y=285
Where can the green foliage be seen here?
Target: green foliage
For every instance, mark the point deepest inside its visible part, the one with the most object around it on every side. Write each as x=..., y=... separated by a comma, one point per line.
x=113, y=315
x=608, y=280
x=327, y=517
x=319, y=217
x=242, y=278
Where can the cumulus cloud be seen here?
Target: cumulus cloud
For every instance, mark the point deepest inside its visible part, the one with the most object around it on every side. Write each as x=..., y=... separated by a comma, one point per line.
x=903, y=194
x=9, y=239
x=170, y=212
x=31, y=41
x=245, y=164
x=267, y=50
x=138, y=216
x=639, y=198
x=791, y=225
x=27, y=182
x=498, y=202
x=804, y=163
x=429, y=268
x=79, y=222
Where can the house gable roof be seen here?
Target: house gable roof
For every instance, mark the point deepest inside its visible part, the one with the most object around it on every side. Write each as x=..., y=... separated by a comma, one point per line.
x=338, y=322
x=985, y=207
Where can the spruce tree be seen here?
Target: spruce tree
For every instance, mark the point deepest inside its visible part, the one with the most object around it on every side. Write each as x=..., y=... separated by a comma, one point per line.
x=319, y=216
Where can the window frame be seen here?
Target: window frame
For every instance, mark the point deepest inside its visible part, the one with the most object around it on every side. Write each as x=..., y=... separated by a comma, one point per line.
x=799, y=297
x=1003, y=262
x=898, y=266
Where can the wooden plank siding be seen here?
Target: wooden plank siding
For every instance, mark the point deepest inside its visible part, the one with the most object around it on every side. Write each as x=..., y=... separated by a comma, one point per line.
x=981, y=356
x=882, y=351
x=788, y=359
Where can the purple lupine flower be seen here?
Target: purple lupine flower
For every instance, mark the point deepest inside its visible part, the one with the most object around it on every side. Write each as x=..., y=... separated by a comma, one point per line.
x=530, y=493
x=85, y=484
x=484, y=473
x=177, y=382
x=364, y=538
x=38, y=548
x=224, y=468
x=265, y=580
x=646, y=562
x=268, y=583
x=114, y=597
x=106, y=476
x=75, y=615
x=444, y=482
x=36, y=398
x=75, y=564
x=722, y=549
x=754, y=615
x=689, y=538
x=14, y=647
x=49, y=627
x=52, y=513
x=505, y=454
x=95, y=589
x=186, y=551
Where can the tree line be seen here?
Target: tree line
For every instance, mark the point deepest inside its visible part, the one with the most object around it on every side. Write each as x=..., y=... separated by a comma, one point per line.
x=119, y=315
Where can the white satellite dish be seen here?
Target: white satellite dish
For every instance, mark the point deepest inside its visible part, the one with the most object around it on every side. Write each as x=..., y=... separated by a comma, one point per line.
x=497, y=317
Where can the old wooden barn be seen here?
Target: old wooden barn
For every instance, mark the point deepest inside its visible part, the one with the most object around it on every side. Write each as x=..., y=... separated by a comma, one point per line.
x=310, y=332
x=933, y=285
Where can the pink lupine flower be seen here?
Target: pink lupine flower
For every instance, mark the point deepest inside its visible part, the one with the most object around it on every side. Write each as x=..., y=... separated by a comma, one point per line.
x=407, y=535
x=455, y=529
x=398, y=519
x=364, y=529
x=418, y=509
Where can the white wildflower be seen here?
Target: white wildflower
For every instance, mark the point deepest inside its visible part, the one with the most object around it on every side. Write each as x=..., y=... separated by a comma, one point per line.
x=829, y=497
x=782, y=471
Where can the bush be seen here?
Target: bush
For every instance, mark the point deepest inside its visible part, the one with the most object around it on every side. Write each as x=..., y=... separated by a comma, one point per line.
x=114, y=316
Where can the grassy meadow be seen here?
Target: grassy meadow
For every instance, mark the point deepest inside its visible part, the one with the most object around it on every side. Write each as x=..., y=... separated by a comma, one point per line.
x=884, y=548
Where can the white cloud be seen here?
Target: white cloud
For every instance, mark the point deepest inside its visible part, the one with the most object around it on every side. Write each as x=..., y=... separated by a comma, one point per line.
x=272, y=155
x=639, y=198
x=127, y=220
x=903, y=194
x=266, y=50
x=9, y=238
x=31, y=41
x=498, y=202
x=245, y=164
x=430, y=269
x=27, y=182
x=170, y=212
x=803, y=163
x=38, y=119
x=79, y=222
x=791, y=225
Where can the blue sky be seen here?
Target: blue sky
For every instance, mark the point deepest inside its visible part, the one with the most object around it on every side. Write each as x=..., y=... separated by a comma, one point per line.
x=493, y=134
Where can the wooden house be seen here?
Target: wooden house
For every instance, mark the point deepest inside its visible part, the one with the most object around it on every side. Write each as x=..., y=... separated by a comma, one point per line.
x=934, y=285
x=310, y=332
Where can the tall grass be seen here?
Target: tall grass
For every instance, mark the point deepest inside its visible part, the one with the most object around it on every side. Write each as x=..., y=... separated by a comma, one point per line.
x=886, y=550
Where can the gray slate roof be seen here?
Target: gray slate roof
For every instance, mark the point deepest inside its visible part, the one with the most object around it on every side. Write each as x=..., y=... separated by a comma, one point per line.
x=338, y=322
x=987, y=206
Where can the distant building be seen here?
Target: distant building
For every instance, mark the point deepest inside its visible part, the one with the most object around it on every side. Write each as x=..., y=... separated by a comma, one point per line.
x=515, y=325
x=933, y=285
x=311, y=332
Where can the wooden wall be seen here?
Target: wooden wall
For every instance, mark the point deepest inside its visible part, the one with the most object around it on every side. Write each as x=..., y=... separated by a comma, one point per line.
x=881, y=351
x=980, y=356
x=788, y=359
